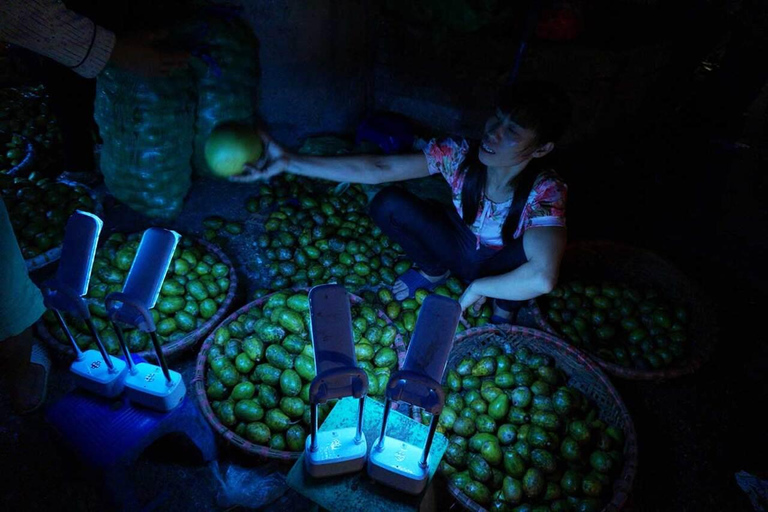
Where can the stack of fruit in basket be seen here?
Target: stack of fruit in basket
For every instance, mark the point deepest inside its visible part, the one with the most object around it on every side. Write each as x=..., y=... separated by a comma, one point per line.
x=24, y=110
x=520, y=436
x=261, y=364
x=374, y=346
x=196, y=285
x=317, y=237
x=404, y=313
x=618, y=323
x=39, y=211
x=13, y=150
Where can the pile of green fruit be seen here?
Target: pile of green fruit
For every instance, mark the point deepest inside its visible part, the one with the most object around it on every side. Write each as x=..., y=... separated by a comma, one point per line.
x=260, y=366
x=196, y=285
x=522, y=439
x=217, y=227
x=618, y=323
x=319, y=237
x=24, y=110
x=39, y=211
x=314, y=236
x=375, y=347
x=13, y=150
x=404, y=313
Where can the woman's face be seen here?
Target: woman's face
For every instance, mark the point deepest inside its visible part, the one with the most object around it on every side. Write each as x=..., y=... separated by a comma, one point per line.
x=505, y=143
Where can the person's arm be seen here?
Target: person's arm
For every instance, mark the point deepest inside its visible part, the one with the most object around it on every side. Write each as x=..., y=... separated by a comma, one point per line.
x=544, y=248
x=48, y=28
x=369, y=169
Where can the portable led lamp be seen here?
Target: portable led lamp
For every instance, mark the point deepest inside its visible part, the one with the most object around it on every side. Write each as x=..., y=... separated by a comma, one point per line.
x=340, y=451
x=152, y=386
x=94, y=370
x=396, y=462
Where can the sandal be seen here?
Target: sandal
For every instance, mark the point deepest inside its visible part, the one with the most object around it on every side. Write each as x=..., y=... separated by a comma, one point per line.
x=499, y=320
x=414, y=280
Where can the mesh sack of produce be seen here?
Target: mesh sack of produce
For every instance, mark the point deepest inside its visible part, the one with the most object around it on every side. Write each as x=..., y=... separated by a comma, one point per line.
x=146, y=126
x=225, y=76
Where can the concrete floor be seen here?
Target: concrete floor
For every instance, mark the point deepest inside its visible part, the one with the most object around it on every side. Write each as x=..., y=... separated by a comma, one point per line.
x=667, y=190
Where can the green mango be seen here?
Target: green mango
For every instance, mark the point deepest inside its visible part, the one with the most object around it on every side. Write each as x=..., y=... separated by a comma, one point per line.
x=484, y=367
x=499, y=408
x=243, y=391
x=513, y=490
x=533, y=483
x=248, y=410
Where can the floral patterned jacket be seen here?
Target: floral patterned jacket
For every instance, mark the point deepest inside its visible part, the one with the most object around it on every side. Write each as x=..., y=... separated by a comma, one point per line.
x=545, y=205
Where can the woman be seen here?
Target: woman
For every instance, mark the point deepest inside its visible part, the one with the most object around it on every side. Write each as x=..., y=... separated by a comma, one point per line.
x=506, y=234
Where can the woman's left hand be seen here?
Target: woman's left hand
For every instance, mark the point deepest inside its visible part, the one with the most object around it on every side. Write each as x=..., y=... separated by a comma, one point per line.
x=470, y=298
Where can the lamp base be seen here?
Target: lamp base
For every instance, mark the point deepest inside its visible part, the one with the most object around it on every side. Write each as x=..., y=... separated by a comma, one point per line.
x=337, y=453
x=147, y=386
x=92, y=374
x=397, y=465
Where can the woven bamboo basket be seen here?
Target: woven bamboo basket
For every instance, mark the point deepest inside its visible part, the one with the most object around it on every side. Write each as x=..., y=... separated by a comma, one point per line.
x=609, y=261
x=583, y=374
x=178, y=346
x=202, y=398
x=54, y=254
x=27, y=164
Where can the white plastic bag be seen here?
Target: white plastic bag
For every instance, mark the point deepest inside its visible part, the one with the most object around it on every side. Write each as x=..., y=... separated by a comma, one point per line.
x=248, y=487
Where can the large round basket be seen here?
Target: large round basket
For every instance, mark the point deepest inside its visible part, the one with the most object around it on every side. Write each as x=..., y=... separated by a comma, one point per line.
x=582, y=373
x=202, y=398
x=191, y=339
x=609, y=261
x=27, y=163
x=54, y=254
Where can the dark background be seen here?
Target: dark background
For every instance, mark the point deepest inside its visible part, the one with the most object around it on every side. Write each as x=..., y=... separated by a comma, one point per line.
x=661, y=94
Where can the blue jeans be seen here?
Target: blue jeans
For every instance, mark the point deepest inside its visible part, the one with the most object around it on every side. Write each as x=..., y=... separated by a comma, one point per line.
x=437, y=240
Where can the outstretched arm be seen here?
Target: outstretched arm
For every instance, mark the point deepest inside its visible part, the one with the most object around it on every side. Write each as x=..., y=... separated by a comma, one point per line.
x=369, y=169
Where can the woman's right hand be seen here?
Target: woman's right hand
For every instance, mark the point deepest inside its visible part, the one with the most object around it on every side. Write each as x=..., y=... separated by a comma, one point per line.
x=274, y=160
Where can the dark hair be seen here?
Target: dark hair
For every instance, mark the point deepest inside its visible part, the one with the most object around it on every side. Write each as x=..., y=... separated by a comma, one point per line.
x=538, y=106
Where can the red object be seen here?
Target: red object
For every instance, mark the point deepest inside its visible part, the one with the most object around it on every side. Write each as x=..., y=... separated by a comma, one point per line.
x=563, y=22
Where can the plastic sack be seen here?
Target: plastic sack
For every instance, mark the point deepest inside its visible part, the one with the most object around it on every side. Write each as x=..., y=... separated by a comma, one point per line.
x=249, y=487
x=225, y=76
x=147, y=129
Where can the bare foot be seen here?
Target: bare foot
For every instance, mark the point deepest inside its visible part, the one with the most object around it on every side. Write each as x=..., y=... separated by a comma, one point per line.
x=400, y=289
